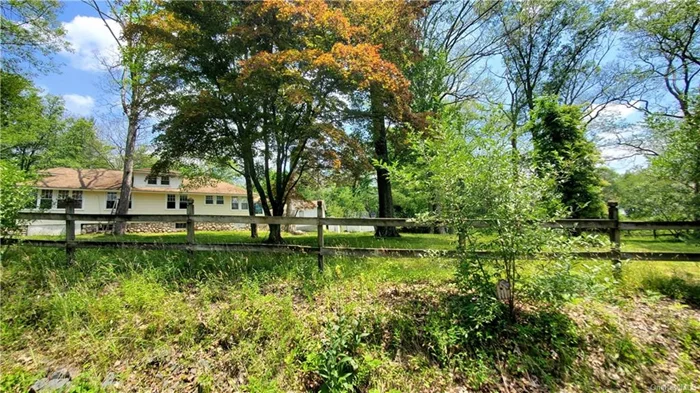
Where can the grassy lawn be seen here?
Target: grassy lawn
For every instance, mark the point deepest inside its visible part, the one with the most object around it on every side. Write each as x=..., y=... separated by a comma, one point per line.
x=665, y=244
x=332, y=239
x=160, y=321
x=407, y=240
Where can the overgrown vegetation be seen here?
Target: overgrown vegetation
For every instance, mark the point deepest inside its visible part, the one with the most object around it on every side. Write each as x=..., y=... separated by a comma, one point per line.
x=348, y=101
x=15, y=194
x=231, y=322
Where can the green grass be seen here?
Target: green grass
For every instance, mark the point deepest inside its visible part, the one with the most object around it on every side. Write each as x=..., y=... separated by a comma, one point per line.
x=262, y=323
x=665, y=244
x=407, y=240
x=331, y=239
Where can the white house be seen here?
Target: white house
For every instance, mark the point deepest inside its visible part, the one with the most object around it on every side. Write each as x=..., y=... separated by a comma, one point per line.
x=97, y=191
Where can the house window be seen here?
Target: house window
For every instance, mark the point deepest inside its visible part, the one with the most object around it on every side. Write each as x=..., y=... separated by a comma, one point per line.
x=180, y=225
x=170, y=204
x=111, y=200
x=183, y=201
x=219, y=199
x=46, y=201
x=61, y=199
x=234, y=203
x=151, y=180
x=78, y=198
x=165, y=181
x=209, y=200
x=244, y=205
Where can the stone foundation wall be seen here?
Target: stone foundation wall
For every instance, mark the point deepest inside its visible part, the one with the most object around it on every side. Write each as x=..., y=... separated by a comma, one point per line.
x=163, y=227
x=167, y=227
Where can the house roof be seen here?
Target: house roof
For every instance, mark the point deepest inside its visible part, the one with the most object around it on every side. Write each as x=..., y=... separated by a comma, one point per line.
x=108, y=179
x=303, y=204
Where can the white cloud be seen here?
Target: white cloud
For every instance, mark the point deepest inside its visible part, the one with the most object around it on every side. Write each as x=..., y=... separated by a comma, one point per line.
x=614, y=110
x=91, y=41
x=79, y=105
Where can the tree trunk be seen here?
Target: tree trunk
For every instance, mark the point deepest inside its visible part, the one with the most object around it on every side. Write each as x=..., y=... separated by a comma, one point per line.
x=249, y=197
x=440, y=230
x=275, y=236
x=127, y=176
x=381, y=150
x=514, y=150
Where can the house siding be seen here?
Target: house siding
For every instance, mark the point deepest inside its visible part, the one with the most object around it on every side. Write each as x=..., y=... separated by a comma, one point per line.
x=95, y=202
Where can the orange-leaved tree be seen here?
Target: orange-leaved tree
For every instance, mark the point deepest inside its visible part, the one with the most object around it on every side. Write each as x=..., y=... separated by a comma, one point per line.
x=391, y=26
x=258, y=83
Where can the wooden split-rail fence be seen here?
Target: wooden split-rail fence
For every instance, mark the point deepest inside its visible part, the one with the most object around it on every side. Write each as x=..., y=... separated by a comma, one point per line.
x=612, y=225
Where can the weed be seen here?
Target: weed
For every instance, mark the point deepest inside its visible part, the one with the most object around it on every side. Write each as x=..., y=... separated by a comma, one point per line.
x=267, y=323
x=338, y=360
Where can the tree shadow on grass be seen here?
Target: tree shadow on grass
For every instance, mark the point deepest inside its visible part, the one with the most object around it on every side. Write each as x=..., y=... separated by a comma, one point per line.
x=538, y=348
x=677, y=286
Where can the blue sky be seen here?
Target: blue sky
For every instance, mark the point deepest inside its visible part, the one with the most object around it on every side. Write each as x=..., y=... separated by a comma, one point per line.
x=78, y=76
x=83, y=84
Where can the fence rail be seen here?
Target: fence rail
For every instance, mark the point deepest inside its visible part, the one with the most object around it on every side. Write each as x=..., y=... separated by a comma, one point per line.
x=613, y=225
x=377, y=222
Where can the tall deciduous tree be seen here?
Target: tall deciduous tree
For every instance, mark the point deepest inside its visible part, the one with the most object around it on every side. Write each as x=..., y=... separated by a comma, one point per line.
x=36, y=133
x=456, y=36
x=259, y=83
x=560, y=146
x=665, y=38
x=131, y=79
x=30, y=34
x=31, y=123
x=79, y=146
x=561, y=48
x=393, y=26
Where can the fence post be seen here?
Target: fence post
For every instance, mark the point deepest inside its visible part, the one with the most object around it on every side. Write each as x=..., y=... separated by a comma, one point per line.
x=319, y=216
x=614, y=214
x=70, y=230
x=190, y=223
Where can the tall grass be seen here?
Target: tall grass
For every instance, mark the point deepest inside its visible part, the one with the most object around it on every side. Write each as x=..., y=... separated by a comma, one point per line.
x=253, y=322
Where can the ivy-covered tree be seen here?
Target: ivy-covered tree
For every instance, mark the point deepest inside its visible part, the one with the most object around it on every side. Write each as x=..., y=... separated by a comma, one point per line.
x=560, y=145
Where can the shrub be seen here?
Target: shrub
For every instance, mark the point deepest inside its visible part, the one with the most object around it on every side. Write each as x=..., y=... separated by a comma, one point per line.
x=469, y=168
x=15, y=195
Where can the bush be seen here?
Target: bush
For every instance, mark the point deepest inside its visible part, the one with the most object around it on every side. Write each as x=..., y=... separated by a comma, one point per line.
x=469, y=168
x=15, y=194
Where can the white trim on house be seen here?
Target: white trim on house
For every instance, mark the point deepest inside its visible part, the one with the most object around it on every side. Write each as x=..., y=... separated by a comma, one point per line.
x=178, y=201
x=115, y=200
x=55, y=193
x=167, y=196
